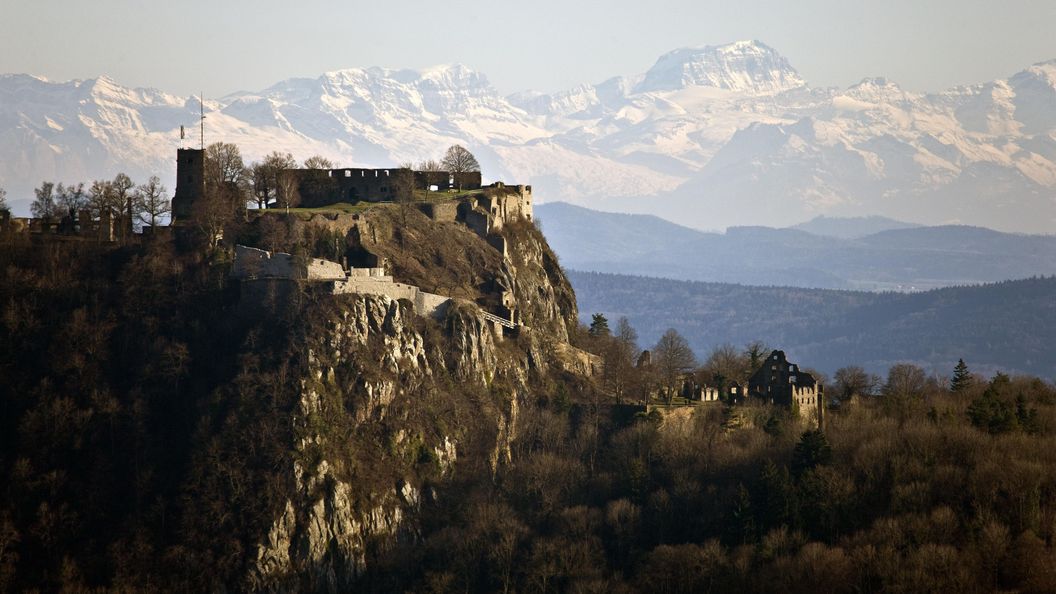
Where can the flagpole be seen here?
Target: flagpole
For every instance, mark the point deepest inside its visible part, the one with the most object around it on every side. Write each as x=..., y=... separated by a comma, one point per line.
x=201, y=102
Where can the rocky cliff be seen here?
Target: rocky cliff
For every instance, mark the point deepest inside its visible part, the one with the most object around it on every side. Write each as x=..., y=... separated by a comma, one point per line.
x=387, y=405
x=165, y=429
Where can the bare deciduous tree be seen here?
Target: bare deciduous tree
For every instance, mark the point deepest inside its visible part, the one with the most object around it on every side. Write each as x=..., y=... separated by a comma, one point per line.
x=854, y=381
x=227, y=187
x=459, y=160
x=756, y=352
x=152, y=202
x=673, y=359
x=725, y=364
x=71, y=198
x=287, y=191
x=619, y=352
x=318, y=162
x=124, y=199
x=905, y=380
x=265, y=176
x=3, y=201
x=101, y=198
x=43, y=206
x=224, y=165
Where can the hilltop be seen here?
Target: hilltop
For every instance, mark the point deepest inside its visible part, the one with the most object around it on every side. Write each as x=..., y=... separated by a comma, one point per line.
x=211, y=424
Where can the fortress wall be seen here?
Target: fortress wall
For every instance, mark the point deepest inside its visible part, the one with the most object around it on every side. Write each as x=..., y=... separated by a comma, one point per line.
x=478, y=222
x=324, y=270
x=467, y=180
x=441, y=212
x=576, y=360
x=254, y=263
x=430, y=304
x=499, y=243
x=425, y=304
x=321, y=187
x=369, y=273
x=334, y=222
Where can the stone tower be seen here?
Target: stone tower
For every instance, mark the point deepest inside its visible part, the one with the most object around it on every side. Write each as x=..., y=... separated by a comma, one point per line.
x=190, y=183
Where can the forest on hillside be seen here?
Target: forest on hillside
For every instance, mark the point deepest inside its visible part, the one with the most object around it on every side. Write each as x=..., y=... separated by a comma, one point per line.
x=909, y=491
x=145, y=428
x=1003, y=326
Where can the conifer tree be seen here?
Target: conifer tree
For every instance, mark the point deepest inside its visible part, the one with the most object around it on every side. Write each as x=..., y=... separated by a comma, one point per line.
x=962, y=378
x=599, y=325
x=812, y=450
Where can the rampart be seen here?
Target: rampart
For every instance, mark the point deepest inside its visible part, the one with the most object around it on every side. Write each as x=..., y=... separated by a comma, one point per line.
x=426, y=304
x=252, y=263
x=441, y=212
x=322, y=187
x=106, y=228
x=576, y=360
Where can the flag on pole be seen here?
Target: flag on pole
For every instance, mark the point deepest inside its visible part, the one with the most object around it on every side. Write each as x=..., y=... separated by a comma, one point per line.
x=183, y=134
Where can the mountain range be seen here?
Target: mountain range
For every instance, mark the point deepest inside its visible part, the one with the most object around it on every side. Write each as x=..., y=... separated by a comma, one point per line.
x=869, y=253
x=710, y=136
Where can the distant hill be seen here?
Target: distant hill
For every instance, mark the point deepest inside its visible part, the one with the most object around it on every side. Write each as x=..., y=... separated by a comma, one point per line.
x=1009, y=326
x=851, y=227
x=904, y=259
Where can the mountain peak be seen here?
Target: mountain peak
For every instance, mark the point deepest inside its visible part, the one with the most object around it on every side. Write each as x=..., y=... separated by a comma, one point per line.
x=743, y=66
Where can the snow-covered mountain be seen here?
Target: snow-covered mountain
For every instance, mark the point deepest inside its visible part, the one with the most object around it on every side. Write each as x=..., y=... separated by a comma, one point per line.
x=709, y=136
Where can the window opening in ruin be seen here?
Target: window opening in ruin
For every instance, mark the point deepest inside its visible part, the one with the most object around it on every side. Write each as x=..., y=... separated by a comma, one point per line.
x=348, y=173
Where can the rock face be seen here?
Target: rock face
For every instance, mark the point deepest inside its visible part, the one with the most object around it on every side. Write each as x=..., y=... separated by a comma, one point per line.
x=386, y=401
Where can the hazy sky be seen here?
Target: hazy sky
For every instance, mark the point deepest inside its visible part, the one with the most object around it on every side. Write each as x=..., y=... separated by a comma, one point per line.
x=223, y=46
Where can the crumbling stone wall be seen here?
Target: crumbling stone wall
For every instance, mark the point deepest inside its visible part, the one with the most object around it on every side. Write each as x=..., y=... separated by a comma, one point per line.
x=320, y=187
x=441, y=212
x=495, y=207
x=252, y=263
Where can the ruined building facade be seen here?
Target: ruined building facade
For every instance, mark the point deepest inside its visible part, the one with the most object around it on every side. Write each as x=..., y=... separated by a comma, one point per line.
x=322, y=187
x=779, y=382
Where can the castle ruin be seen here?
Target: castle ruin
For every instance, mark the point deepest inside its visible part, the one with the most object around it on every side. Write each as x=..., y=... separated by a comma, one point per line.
x=190, y=183
x=779, y=382
x=313, y=188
